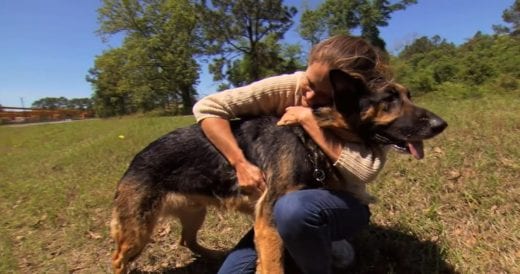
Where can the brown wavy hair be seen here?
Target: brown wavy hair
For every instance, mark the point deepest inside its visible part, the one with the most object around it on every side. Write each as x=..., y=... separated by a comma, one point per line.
x=353, y=55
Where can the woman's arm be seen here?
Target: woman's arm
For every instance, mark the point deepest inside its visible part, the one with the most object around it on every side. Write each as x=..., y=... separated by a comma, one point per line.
x=249, y=176
x=268, y=96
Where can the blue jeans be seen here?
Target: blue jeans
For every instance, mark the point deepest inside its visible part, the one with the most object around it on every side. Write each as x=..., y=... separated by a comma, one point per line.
x=308, y=221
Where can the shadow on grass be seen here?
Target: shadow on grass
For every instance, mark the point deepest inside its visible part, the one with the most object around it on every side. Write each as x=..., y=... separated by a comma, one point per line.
x=199, y=266
x=386, y=250
x=378, y=250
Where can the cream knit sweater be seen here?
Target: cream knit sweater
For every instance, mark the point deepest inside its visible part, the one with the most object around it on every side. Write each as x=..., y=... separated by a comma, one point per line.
x=357, y=163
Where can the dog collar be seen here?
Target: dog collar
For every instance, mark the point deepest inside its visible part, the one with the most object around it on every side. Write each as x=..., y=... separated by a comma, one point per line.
x=318, y=173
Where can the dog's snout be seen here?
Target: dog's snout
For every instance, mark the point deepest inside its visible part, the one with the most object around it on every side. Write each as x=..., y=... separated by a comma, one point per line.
x=437, y=124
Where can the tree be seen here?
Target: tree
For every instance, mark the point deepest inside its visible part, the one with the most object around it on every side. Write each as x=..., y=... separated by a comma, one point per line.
x=275, y=59
x=330, y=18
x=160, y=47
x=51, y=103
x=63, y=103
x=423, y=45
x=512, y=16
x=245, y=35
x=110, y=96
x=426, y=63
x=343, y=16
x=80, y=104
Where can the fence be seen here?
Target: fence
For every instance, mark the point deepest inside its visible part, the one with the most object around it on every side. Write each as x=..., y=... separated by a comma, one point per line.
x=9, y=115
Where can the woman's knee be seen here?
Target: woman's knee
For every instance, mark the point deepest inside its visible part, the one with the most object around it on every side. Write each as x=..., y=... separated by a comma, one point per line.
x=296, y=212
x=305, y=211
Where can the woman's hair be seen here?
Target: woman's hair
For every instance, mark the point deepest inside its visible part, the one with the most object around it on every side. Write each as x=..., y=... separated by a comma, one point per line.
x=351, y=54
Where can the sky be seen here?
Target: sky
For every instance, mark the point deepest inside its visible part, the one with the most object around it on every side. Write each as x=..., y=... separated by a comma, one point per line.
x=47, y=47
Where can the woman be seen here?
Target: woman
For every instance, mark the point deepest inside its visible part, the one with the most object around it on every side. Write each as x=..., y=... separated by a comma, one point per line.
x=308, y=220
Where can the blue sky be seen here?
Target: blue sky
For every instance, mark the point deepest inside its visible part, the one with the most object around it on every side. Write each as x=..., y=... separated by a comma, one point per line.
x=47, y=47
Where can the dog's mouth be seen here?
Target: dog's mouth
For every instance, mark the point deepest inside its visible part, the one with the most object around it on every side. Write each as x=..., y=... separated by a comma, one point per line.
x=415, y=148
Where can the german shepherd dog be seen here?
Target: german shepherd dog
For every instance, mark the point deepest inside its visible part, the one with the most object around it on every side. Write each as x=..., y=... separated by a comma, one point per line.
x=182, y=173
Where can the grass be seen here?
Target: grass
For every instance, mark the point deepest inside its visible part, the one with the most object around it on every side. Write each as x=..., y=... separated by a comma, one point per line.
x=458, y=210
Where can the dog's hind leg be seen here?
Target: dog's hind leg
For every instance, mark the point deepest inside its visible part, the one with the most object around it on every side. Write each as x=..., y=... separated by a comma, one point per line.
x=133, y=219
x=192, y=218
x=268, y=243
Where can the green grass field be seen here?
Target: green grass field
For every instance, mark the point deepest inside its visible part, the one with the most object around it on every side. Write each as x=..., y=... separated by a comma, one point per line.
x=458, y=210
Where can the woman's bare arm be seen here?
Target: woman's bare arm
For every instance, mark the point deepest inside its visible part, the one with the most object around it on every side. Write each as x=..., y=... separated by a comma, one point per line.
x=218, y=131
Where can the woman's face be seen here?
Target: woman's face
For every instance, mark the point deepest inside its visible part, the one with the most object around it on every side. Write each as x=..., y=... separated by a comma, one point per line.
x=316, y=87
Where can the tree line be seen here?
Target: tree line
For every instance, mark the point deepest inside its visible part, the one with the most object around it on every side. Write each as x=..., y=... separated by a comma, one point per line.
x=483, y=63
x=486, y=62
x=167, y=41
x=63, y=103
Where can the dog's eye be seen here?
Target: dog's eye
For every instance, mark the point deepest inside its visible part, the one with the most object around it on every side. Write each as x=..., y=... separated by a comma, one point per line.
x=391, y=98
x=390, y=101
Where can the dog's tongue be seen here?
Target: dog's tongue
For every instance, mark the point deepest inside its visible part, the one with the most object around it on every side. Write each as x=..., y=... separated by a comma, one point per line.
x=416, y=149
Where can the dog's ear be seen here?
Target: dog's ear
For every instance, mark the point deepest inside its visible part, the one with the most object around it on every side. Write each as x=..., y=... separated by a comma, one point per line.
x=348, y=90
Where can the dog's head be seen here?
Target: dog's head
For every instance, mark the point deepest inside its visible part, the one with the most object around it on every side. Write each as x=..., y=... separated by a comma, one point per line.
x=384, y=113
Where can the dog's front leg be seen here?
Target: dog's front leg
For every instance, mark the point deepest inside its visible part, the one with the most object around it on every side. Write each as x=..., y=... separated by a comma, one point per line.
x=269, y=245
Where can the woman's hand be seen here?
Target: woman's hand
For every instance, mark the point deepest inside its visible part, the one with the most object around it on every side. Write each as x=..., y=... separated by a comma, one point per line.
x=296, y=115
x=250, y=178
x=305, y=117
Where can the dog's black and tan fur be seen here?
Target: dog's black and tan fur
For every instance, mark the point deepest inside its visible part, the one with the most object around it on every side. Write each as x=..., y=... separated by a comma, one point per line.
x=181, y=173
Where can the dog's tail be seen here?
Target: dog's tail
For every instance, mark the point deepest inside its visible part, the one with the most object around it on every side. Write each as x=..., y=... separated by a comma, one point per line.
x=134, y=215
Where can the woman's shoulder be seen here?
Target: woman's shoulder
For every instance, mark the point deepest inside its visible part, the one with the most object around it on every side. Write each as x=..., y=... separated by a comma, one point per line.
x=269, y=96
x=287, y=84
x=290, y=78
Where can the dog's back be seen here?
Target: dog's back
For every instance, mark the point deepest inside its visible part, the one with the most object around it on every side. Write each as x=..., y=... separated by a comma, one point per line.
x=185, y=161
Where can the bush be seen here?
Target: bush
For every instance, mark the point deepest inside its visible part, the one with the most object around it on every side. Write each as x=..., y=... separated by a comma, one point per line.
x=421, y=82
x=457, y=91
x=506, y=82
x=444, y=71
